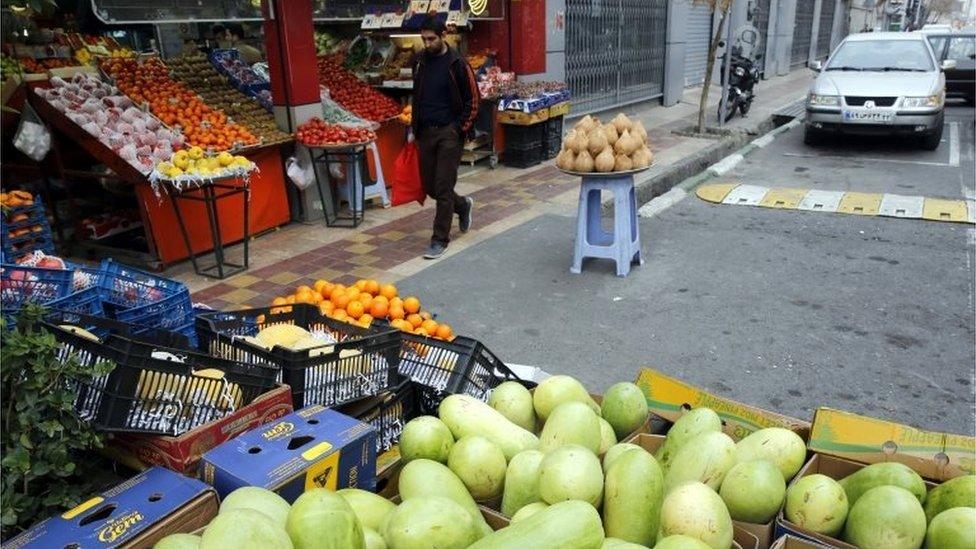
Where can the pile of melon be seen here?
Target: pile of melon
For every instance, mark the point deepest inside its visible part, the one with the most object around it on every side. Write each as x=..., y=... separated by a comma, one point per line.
x=617, y=146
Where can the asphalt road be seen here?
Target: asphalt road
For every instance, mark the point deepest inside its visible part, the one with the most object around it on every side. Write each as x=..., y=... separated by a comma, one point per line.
x=787, y=310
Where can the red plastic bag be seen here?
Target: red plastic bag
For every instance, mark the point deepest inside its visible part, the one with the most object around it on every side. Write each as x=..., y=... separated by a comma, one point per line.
x=406, y=176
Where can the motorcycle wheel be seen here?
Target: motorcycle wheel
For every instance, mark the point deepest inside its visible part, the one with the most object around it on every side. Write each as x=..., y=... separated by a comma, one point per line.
x=732, y=105
x=744, y=107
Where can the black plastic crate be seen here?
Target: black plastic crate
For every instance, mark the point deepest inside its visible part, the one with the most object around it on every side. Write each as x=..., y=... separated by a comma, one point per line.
x=160, y=390
x=362, y=362
x=524, y=136
x=388, y=412
x=102, y=327
x=522, y=157
x=441, y=368
x=552, y=139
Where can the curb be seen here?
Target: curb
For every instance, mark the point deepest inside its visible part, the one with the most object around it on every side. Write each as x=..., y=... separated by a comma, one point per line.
x=724, y=165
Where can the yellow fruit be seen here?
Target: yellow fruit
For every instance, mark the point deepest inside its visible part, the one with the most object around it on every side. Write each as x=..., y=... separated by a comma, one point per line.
x=196, y=153
x=285, y=335
x=181, y=162
x=225, y=158
x=164, y=167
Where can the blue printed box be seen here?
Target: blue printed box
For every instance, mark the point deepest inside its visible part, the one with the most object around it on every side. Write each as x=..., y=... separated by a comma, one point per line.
x=313, y=447
x=137, y=513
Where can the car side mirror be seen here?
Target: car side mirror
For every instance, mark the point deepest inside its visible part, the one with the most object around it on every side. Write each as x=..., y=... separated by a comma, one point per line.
x=816, y=66
x=948, y=64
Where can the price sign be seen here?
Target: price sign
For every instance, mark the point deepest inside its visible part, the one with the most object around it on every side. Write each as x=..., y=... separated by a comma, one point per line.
x=440, y=6
x=457, y=18
x=419, y=6
x=371, y=21
x=391, y=21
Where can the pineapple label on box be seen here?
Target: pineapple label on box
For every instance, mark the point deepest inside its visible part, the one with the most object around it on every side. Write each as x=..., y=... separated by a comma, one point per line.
x=313, y=447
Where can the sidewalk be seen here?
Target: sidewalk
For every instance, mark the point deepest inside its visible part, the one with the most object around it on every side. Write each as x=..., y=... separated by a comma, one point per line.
x=389, y=243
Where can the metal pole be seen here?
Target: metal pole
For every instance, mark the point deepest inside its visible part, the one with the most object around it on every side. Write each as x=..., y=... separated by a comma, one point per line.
x=725, y=72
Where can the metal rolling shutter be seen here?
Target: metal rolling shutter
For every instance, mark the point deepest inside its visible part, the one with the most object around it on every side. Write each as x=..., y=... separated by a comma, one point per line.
x=802, y=31
x=614, y=51
x=698, y=31
x=827, y=8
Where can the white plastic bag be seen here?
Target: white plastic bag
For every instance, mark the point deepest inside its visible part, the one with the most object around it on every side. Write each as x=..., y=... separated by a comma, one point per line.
x=299, y=168
x=32, y=137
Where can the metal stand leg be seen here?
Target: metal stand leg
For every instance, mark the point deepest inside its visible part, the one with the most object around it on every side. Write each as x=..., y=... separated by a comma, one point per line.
x=210, y=195
x=186, y=235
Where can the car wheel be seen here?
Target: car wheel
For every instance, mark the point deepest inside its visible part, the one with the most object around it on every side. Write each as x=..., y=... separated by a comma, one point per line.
x=811, y=136
x=931, y=140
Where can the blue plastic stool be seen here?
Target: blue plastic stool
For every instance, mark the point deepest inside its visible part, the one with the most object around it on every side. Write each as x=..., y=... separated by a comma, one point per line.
x=623, y=245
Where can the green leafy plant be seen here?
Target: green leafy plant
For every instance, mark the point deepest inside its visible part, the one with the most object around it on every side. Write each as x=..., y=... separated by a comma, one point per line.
x=44, y=467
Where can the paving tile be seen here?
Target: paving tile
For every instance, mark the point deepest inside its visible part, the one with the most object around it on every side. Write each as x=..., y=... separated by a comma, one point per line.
x=265, y=286
x=361, y=248
x=243, y=280
x=364, y=260
x=240, y=295
x=284, y=278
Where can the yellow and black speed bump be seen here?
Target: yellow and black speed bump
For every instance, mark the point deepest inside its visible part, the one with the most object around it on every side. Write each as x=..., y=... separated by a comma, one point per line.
x=848, y=202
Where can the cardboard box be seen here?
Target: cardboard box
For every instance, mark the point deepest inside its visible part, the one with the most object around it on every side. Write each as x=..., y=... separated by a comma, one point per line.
x=182, y=453
x=844, y=442
x=935, y=456
x=134, y=514
x=669, y=398
x=313, y=447
x=792, y=542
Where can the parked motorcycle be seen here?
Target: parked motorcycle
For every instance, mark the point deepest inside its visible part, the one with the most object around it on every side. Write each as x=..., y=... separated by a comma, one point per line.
x=743, y=76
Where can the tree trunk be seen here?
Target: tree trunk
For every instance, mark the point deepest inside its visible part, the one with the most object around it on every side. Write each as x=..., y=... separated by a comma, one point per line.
x=710, y=68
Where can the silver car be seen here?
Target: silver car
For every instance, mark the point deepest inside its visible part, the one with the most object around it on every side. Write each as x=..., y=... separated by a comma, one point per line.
x=886, y=83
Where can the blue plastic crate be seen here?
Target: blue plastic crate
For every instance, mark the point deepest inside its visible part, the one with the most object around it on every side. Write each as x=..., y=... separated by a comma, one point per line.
x=126, y=287
x=169, y=313
x=20, y=285
x=35, y=215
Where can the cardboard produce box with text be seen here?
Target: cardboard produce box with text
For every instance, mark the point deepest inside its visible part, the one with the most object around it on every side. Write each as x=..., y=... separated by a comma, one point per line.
x=669, y=398
x=313, y=447
x=844, y=443
x=135, y=514
x=182, y=453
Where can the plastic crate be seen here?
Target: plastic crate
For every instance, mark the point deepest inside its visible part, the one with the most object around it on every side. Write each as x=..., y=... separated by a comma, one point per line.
x=41, y=238
x=143, y=298
x=102, y=327
x=520, y=137
x=441, y=368
x=156, y=389
x=388, y=412
x=361, y=363
x=20, y=285
x=522, y=157
x=552, y=139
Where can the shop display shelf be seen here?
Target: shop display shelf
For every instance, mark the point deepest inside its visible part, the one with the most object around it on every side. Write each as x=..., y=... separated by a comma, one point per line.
x=361, y=362
x=157, y=390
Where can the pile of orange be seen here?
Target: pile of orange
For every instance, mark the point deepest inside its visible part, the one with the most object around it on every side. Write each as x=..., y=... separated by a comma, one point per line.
x=176, y=105
x=365, y=301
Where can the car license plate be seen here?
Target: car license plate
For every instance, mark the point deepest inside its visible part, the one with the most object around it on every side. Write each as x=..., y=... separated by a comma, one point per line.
x=868, y=117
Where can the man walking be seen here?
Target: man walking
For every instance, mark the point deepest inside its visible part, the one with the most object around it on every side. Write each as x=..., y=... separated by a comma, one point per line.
x=445, y=103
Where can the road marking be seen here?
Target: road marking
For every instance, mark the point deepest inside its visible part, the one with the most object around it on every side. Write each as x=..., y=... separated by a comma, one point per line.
x=862, y=158
x=953, y=143
x=849, y=202
x=726, y=164
x=764, y=140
